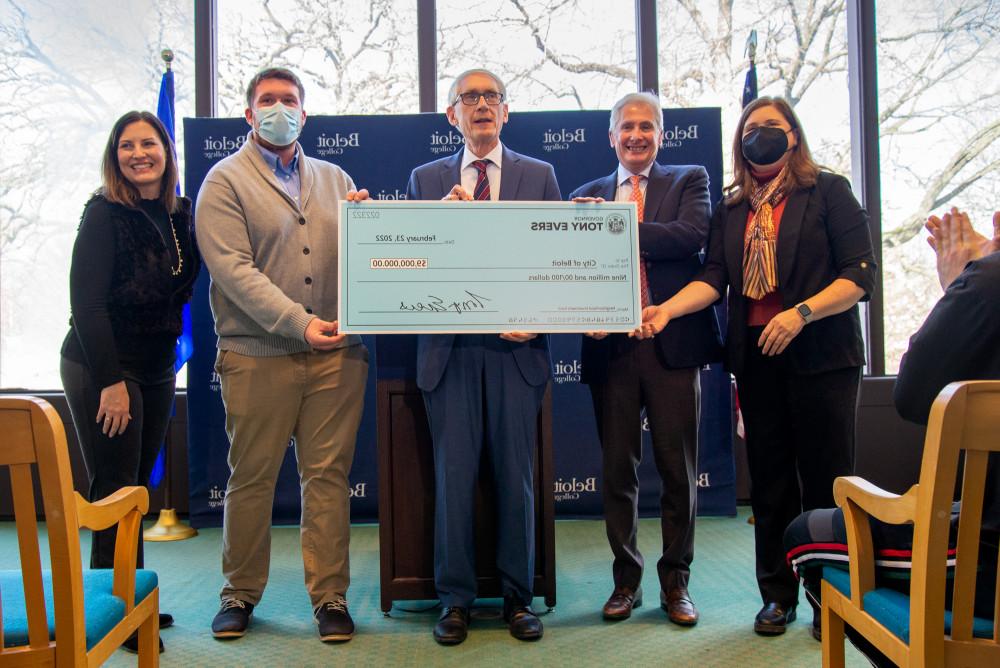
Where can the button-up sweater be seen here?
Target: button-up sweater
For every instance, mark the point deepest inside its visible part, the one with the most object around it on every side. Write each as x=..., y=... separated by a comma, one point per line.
x=273, y=263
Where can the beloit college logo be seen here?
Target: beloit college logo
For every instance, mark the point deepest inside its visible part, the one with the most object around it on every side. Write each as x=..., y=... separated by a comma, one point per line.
x=562, y=139
x=676, y=136
x=214, y=148
x=446, y=142
x=327, y=145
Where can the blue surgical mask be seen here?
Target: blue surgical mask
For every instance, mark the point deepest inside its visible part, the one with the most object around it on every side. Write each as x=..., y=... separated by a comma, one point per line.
x=279, y=125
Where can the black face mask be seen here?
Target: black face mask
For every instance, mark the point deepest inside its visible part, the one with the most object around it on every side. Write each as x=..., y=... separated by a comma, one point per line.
x=764, y=145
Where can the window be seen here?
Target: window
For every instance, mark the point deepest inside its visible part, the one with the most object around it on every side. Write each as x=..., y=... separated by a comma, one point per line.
x=801, y=56
x=939, y=142
x=353, y=56
x=552, y=54
x=69, y=71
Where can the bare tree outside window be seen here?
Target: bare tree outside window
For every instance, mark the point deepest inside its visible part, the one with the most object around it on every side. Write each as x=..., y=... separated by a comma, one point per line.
x=552, y=54
x=354, y=56
x=67, y=71
x=940, y=141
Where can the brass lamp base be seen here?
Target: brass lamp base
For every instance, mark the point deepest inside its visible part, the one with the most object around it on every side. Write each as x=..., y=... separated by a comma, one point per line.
x=168, y=527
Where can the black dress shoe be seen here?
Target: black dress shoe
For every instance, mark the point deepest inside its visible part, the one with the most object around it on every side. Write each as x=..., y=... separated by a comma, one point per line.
x=166, y=620
x=522, y=621
x=817, y=625
x=131, y=643
x=334, y=621
x=452, y=626
x=773, y=618
x=232, y=619
x=621, y=603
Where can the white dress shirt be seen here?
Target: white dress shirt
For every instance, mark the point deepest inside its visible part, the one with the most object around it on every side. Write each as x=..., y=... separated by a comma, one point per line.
x=624, y=191
x=470, y=174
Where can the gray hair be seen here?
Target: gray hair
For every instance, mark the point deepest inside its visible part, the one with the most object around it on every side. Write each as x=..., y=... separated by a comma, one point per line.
x=646, y=98
x=453, y=90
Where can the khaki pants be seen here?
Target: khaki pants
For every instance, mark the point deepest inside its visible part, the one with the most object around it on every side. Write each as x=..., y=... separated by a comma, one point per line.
x=318, y=398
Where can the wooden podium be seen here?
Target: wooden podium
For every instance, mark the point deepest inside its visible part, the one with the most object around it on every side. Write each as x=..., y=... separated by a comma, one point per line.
x=406, y=503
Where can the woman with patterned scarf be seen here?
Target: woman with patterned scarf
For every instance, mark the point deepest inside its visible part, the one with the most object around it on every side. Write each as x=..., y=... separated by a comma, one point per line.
x=792, y=245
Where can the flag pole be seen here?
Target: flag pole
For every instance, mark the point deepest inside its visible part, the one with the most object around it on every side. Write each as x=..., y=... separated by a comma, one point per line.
x=168, y=526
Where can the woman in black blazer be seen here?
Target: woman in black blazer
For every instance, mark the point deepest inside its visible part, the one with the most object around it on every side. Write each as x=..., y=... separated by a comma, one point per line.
x=793, y=247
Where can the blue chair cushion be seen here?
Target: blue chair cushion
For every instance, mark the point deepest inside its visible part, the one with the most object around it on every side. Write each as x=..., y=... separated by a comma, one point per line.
x=102, y=610
x=891, y=608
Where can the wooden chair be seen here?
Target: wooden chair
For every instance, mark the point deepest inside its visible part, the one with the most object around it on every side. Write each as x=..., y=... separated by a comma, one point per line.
x=69, y=616
x=916, y=630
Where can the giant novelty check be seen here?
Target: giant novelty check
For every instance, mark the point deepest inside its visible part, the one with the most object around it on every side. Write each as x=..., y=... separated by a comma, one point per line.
x=477, y=267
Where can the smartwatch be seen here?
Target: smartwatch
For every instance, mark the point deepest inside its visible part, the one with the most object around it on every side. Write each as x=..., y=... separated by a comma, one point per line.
x=804, y=311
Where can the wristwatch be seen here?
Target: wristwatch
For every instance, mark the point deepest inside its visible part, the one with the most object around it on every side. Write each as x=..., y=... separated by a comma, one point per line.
x=804, y=311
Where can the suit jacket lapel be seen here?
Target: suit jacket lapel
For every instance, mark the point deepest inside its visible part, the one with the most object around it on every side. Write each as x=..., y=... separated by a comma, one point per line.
x=788, y=233
x=451, y=172
x=510, y=175
x=736, y=226
x=656, y=190
x=608, y=187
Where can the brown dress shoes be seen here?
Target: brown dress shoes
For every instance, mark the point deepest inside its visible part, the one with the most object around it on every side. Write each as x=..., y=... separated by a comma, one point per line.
x=621, y=602
x=679, y=606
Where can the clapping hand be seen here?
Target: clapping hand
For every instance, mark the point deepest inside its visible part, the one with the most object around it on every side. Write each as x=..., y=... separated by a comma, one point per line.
x=956, y=243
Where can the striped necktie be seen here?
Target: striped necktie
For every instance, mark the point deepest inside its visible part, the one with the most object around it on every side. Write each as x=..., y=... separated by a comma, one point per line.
x=640, y=202
x=482, y=190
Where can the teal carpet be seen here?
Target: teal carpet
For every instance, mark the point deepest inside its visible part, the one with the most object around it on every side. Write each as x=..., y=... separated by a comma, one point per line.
x=282, y=632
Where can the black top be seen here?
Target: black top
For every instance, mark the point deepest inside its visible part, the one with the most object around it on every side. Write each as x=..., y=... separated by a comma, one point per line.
x=824, y=236
x=960, y=340
x=126, y=304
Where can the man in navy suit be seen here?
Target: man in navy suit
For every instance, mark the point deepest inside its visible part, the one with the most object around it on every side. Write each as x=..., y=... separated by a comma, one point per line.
x=661, y=374
x=484, y=389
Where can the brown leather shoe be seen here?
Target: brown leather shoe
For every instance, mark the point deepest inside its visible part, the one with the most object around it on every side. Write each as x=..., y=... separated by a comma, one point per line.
x=679, y=606
x=621, y=602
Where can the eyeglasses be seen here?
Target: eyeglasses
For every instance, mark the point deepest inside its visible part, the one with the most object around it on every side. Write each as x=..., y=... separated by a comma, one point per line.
x=471, y=99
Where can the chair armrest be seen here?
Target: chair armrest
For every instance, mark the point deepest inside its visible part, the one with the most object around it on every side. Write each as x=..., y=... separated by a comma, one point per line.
x=860, y=499
x=112, y=508
x=124, y=508
x=875, y=501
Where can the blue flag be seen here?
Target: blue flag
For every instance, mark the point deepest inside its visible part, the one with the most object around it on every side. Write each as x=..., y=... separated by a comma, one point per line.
x=750, y=85
x=185, y=342
x=165, y=112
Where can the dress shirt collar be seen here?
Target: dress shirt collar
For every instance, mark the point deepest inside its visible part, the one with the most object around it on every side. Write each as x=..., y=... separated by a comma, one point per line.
x=624, y=175
x=274, y=162
x=495, y=156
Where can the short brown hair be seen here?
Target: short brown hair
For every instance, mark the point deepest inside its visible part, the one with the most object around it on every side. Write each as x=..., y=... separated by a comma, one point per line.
x=115, y=187
x=802, y=169
x=274, y=73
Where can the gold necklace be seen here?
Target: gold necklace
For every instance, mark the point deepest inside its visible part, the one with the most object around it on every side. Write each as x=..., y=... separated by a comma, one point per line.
x=177, y=245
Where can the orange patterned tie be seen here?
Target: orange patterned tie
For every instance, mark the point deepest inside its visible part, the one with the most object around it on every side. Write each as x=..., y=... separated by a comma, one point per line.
x=639, y=204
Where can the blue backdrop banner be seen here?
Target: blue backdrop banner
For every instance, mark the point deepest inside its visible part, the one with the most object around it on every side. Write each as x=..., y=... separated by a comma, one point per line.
x=379, y=152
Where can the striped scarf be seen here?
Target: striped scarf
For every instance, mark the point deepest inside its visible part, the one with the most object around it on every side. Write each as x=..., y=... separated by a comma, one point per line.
x=760, y=265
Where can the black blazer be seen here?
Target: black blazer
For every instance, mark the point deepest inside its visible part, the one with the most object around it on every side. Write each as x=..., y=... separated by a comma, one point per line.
x=824, y=235
x=676, y=211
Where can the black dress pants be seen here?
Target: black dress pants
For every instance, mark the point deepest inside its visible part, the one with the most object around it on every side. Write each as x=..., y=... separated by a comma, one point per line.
x=800, y=437
x=123, y=460
x=637, y=378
